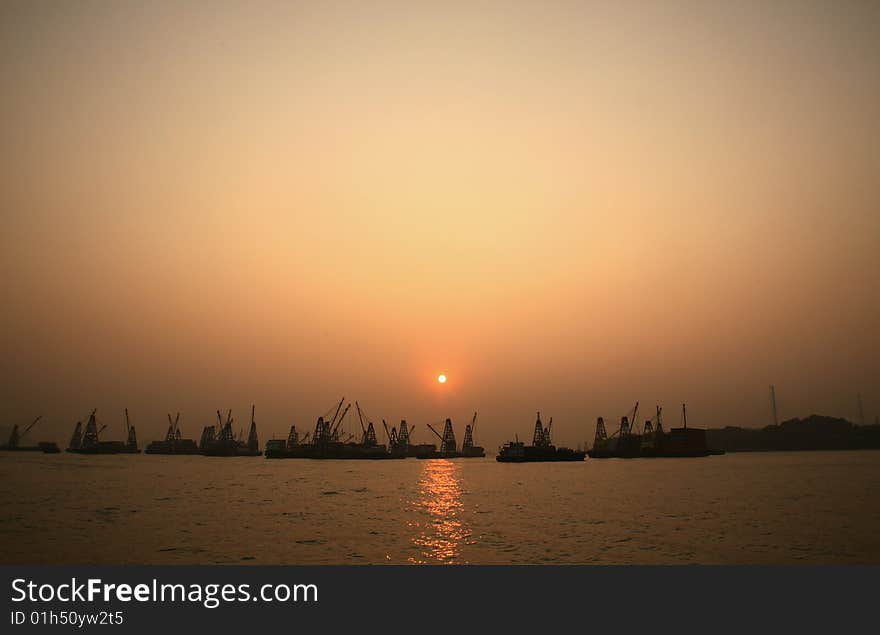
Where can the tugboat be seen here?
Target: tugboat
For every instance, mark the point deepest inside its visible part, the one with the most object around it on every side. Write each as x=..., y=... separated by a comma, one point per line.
x=542, y=448
x=88, y=442
x=173, y=444
x=14, y=443
x=448, y=447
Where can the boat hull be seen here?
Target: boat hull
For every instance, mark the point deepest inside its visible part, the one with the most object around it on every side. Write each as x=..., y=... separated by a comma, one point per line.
x=518, y=453
x=180, y=447
x=451, y=455
x=229, y=452
x=678, y=443
x=104, y=449
x=317, y=454
x=574, y=456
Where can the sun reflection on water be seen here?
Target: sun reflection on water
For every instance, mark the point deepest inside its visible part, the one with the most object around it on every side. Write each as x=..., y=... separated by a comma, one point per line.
x=440, y=532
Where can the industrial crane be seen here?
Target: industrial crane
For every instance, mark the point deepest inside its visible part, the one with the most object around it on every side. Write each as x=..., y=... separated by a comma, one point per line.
x=468, y=441
x=392, y=435
x=431, y=428
x=369, y=433
x=341, y=419
x=447, y=439
x=15, y=437
x=173, y=433
x=336, y=414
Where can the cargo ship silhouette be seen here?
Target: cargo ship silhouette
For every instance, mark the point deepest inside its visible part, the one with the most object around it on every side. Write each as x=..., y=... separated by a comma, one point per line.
x=88, y=442
x=327, y=442
x=541, y=450
x=652, y=442
x=15, y=439
x=448, y=447
x=173, y=443
x=225, y=443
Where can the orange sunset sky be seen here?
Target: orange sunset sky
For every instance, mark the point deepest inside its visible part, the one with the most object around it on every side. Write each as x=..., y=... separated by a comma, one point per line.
x=564, y=206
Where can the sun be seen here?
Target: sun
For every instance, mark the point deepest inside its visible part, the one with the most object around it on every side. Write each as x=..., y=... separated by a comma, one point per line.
x=441, y=379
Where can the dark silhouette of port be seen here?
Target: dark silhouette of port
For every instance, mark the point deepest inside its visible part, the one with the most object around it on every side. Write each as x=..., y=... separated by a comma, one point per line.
x=816, y=432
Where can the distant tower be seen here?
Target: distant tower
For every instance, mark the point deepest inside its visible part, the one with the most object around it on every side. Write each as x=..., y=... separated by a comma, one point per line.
x=253, y=442
x=403, y=435
x=538, y=437
x=90, y=436
x=773, y=403
x=131, y=435
x=318, y=436
x=209, y=435
x=226, y=435
x=76, y=439
x=601, y=436
x=14, y=437
x=624, y=427
x=447, y=443
x=169, y=436
x=370, y=435
x=468, y=442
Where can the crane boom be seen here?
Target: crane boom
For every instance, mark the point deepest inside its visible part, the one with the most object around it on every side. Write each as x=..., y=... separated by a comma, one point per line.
x=32, y=424
x=360, y=417
x=341, y=418
x=336, y=414
x=431, y=428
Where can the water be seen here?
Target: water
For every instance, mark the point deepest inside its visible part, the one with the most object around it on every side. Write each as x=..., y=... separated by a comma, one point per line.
x=809, y=507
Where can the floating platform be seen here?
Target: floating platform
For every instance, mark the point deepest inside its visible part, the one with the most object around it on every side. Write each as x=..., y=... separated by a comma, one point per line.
x=14, y=443
x=475, y=452
x=541, y=450
x=518, y=452
x=177, y=446
x=225, y=444
x=105, y=447
x=47, y=447
x=652, y=442
x=343, y=451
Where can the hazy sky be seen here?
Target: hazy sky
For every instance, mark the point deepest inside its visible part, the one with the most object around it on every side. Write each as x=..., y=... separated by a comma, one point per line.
x=564, y=206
